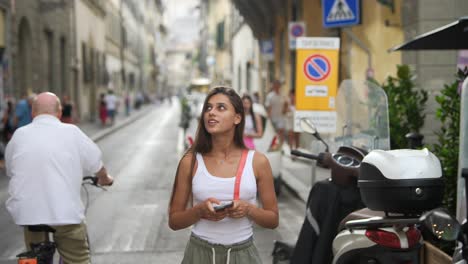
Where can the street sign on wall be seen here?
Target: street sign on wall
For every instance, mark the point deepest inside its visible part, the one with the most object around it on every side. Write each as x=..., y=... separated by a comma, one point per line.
x=296, y=30
x=267, y=49
x=340, y=13
x=317, y=81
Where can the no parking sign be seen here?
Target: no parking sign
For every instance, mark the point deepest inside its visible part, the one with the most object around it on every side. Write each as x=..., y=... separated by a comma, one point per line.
x=317, y=81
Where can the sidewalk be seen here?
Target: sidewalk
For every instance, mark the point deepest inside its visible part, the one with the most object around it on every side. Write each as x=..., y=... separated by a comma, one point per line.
x=299, y=174
x=96, y=131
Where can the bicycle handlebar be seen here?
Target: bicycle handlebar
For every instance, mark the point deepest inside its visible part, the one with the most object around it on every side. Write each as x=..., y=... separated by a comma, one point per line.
x=93, y=180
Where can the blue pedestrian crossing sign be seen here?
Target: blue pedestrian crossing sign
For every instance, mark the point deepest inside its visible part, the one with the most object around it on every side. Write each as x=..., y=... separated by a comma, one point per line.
x=340, y=13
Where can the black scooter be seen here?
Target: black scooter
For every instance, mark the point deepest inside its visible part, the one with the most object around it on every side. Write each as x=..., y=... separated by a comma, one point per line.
x=339, y=193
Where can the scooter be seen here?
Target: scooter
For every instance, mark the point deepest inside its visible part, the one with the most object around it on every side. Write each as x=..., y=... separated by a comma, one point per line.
x=320, y=225
x=396, y=186
x=362, y=115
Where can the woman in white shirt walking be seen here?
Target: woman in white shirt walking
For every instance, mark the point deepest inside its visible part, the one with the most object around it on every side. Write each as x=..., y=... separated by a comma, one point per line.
x=218, y=168
x=253, y=123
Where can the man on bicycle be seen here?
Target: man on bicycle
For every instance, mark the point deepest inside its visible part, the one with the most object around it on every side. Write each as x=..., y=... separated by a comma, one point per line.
x=46, y=161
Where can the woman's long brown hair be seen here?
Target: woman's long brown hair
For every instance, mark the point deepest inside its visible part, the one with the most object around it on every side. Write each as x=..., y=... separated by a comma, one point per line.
x=203, y=142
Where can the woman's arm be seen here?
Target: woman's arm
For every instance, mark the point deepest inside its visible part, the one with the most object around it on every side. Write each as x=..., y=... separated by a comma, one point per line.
x=180, y=216
x=266, y=216
x=259, y=126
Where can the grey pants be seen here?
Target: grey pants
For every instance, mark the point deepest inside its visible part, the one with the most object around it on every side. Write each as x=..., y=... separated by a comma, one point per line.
x=199, y=251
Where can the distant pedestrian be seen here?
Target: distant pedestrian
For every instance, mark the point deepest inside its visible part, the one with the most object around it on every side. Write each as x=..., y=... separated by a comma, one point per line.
x=253, y=123
x=111, y=105
x=256, y=97
x=293, y=137
x=127, y=104
x=102, y=109
x=68, y=111
x=276, y=106
x=8, y=121
x=23, y=111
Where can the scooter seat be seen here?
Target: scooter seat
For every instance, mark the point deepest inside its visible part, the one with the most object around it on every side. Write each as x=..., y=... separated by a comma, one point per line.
x=363, y=213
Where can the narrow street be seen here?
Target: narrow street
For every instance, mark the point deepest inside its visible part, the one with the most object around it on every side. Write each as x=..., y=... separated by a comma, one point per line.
x=128, y=223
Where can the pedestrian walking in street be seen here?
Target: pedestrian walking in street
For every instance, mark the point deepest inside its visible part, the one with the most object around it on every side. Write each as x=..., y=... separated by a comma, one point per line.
x=204, y=179
x=276, y=106
x=293, y=137
x=111, y=105
x=127, y=104
x=68, y=111
x=8, y=121
x=253, y=123
x=46, y=161
x=23, y=110
x=102, y=109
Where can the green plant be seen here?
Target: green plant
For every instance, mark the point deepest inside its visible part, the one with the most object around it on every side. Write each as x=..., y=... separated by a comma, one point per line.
x=406, y=106
x=446, y=148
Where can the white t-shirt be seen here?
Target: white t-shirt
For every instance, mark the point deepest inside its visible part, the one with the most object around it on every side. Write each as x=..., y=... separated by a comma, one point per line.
x=111, y=101
x=249, y=126
x=276, y=102
x=204, y=185
x=46, y=161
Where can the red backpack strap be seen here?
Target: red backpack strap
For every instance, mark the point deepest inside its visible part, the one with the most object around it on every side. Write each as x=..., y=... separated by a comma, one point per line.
x=240, y=169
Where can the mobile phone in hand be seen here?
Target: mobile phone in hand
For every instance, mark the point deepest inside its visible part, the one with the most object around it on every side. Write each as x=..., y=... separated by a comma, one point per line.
x=222, y=206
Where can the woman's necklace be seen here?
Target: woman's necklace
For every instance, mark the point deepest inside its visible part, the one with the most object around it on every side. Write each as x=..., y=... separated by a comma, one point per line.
x=226, y=156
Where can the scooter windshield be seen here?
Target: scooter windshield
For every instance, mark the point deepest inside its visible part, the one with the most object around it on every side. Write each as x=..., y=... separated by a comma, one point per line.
x=362, y=115
x=463, y=158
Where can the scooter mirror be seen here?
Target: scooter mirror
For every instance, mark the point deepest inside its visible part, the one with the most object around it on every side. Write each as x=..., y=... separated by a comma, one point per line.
x=308, y=126
x=441, y=224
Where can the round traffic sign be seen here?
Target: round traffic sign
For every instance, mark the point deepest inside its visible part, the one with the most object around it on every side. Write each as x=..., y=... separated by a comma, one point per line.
x=317, y=68
x=297, y=30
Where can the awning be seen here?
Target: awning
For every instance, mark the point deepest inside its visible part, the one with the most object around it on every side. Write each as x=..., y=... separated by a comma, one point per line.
x=260, y=15
x=448, y=37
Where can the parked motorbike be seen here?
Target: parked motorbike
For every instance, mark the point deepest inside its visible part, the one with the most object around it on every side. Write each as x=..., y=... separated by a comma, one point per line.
x=396, y=186
x=362, y=125
x=340, y=188
x=446, y=227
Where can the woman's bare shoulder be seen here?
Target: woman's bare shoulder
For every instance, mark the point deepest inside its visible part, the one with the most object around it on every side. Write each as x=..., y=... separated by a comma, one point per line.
x=187, y=161
x=260, y=159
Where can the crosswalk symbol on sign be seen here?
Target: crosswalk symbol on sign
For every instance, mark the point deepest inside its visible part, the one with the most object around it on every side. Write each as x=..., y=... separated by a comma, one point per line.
x=340, y=11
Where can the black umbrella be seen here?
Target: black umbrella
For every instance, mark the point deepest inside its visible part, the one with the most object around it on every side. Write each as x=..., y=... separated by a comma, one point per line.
x=449, y=37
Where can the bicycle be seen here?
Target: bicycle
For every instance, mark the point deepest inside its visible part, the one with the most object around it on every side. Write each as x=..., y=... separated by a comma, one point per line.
x=43, y=252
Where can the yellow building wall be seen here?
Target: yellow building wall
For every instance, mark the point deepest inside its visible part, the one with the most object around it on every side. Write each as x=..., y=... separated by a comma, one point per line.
x=312, y=15
x=281, y=44
x=372, y=32
x=378, y=38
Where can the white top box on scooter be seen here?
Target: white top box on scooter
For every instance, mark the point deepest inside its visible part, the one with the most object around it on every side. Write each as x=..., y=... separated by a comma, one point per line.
x=401, y=181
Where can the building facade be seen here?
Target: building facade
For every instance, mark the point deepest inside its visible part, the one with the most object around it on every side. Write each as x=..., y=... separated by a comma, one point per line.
x=41, y=41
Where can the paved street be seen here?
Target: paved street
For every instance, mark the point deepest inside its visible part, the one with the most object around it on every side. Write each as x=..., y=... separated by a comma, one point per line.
x=128, y=223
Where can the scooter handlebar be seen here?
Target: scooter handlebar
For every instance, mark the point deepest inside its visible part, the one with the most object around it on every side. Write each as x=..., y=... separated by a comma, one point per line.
x=305, y=155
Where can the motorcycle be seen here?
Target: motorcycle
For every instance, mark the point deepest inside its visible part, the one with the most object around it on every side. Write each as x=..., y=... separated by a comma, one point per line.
x=396, y=186
x=424, y=191
x=363, y=116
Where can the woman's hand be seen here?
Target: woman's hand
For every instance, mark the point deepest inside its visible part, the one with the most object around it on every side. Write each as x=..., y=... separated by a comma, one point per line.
x=239, y=209
x=206, y=210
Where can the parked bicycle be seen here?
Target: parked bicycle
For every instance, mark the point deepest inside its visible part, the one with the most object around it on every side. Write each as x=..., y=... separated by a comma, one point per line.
x=43, y=252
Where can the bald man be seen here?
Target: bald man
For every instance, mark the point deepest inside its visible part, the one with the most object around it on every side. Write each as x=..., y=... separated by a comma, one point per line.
x=46, y=161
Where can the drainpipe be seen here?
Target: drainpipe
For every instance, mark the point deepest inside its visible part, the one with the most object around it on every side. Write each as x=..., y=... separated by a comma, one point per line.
x=355, y=39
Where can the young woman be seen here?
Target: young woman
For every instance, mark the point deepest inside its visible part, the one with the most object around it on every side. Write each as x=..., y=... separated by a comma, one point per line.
x=253, y=123
x=206, y=176
x=293, y=137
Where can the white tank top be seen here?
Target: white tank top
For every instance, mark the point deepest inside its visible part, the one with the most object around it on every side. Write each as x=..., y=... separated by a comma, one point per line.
x=204, y=185
x=249, y=124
